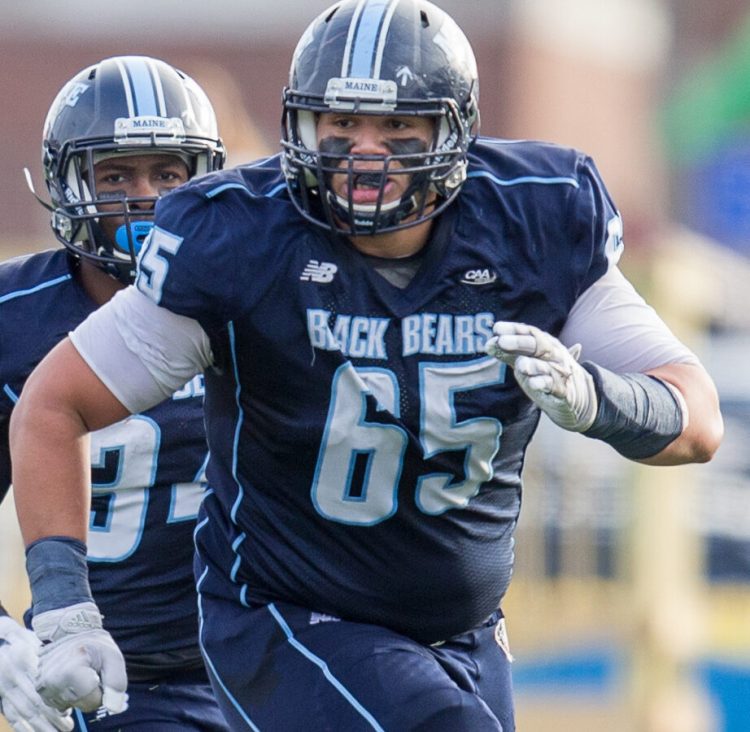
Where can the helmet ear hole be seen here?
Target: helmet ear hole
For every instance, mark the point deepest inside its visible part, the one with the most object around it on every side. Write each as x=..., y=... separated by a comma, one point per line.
x=443, y=133
x=120, y=105
x=306, y=128
x=392, y=59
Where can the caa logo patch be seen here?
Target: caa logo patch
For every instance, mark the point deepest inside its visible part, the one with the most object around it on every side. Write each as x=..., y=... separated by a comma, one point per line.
x=479, y=277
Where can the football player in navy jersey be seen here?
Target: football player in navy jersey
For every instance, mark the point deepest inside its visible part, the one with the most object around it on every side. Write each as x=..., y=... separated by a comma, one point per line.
x=382, y=312
x=120, y=134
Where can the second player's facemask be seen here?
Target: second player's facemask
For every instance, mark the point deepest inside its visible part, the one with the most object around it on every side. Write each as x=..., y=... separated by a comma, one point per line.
x=125, y=105
x=81, y=221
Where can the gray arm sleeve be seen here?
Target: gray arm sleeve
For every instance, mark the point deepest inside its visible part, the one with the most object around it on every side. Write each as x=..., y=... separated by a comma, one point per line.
x=618, y=330
x=143, y=353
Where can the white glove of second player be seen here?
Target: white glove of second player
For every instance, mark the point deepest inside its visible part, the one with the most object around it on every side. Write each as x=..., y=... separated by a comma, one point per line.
x=548, y=372
x=20, y=702
x=81, y=665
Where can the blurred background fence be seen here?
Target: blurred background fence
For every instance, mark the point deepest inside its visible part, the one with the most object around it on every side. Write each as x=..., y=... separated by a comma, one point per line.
x=630, y=605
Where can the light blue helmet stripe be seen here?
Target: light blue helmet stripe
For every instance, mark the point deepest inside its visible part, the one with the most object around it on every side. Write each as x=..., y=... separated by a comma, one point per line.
x=142, y=89
x=367, y=33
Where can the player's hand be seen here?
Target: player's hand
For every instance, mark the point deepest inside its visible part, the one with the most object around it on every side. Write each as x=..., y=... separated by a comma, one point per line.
x=80, y=665
x=549, y=373
x=20, y=702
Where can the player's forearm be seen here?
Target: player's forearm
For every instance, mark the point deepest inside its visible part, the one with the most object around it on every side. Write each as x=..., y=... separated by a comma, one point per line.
x=50, y=476
x=702, y=435
x=62, y=401
x=667, y=416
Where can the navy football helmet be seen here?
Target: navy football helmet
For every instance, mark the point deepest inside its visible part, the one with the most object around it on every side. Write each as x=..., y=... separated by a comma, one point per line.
x=121, y=105
x=383, y=57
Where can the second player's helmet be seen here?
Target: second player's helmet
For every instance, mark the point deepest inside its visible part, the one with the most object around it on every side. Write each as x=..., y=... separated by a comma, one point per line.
x=384, y=57
x=121, y=105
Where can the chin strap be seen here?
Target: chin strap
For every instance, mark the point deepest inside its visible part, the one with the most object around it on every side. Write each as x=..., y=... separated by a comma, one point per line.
x=30, y=184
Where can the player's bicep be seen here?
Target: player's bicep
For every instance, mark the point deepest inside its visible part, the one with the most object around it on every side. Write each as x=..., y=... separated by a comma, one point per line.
x=63, y=383
x=61, y=402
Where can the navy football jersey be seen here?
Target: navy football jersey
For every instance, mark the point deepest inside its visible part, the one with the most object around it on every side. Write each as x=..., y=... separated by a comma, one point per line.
x=147, y=472
x=366, y=454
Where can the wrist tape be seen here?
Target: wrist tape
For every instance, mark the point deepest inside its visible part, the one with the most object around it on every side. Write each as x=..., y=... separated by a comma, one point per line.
x=638, y=415
x=58, y=573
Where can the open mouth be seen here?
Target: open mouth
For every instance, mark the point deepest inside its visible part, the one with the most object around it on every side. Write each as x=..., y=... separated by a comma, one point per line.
x=368, y=180
x=366, y=187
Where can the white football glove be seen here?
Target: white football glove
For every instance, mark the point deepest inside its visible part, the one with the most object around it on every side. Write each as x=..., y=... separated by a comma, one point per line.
x=80, y=665
x=20, y=702
x=549, y=373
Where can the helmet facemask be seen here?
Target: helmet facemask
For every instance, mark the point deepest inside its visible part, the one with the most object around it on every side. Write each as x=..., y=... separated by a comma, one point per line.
x=396, y=59
x=435, y=173
x=80, y=219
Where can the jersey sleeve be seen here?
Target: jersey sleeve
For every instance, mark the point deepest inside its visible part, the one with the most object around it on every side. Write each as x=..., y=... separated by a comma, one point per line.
x=598, y=230
x=188, y=264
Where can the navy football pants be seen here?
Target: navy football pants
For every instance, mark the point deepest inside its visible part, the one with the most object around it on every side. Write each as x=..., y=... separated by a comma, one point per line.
x=179, y=706
x=280, y=668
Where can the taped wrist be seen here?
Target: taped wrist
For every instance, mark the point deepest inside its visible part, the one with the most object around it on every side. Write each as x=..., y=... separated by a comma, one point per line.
x=638, y=414
x=58, y=573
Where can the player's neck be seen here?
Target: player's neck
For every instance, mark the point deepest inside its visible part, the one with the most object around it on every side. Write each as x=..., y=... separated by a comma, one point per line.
x=98, y=285
x=394, y=244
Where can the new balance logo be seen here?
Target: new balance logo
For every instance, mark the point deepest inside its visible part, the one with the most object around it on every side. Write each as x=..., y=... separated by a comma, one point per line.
x=316, y=271
x=479, y=277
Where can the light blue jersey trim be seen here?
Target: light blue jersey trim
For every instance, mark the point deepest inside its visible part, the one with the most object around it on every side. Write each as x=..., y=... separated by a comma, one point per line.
x=235, y=452
x=521, y=180
x=226, y=187
x=323, y=666
x=11, y=394
x=240, y=420
x=504, y=141
x=209, y=663
x=275, y=191
x=261, y=161
x=32, y=290
x=238, y=561
x=213, y=192
x=199, y=525
x=240, y=187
